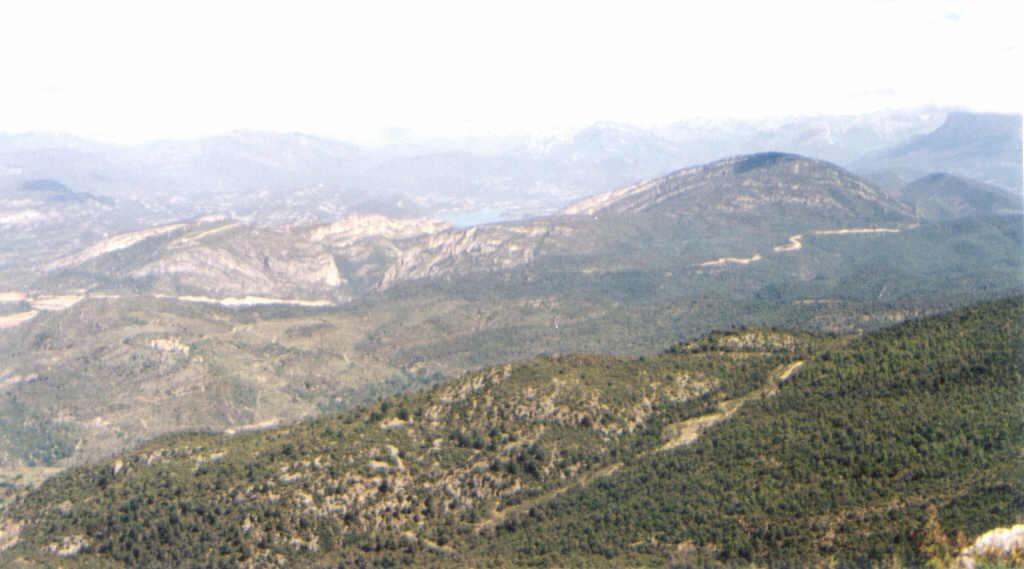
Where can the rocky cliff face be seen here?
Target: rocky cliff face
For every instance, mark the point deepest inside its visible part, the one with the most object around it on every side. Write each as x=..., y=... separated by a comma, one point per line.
x=355, y=228
x=243, y=261
x=484, y=248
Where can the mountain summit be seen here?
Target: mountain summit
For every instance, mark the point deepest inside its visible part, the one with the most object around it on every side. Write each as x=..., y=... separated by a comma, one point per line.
x=763, y=186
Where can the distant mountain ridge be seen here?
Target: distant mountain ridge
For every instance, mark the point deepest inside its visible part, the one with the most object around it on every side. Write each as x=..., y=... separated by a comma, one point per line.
x=983, y=146
x=770, y=192
x=275, y=179
x=318, y=179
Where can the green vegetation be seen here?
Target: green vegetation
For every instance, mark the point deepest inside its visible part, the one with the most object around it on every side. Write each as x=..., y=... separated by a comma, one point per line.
x=33, y=438
x=839, y=466
x=589, y=461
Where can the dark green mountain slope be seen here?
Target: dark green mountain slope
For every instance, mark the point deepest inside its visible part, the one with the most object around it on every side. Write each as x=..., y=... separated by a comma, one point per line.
x=754, y=445
x=840, y=466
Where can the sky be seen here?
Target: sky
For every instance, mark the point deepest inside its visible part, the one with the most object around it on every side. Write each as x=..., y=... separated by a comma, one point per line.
x=361, y=71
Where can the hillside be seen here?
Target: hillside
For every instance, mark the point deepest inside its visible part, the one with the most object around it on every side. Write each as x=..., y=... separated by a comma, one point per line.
x=41, y=219
x=755, y=445
x=839, y=467
x=751, y=188
x=946, y=196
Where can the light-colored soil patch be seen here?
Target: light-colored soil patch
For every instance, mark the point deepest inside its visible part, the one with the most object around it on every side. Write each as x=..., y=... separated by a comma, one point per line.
x=272, y=422
x=10, y=531
x=252, y=301
x=789, y=371
x=356, y=227
x=68, y=546
x=793, y=245
x=12, y=320
x=856, y=231
x=169, y=345
x=727, y=260
x=395, y=423
x=203, y=234
x=498, y=516
x=13, y=296
x=686, y=432
x=56, y=302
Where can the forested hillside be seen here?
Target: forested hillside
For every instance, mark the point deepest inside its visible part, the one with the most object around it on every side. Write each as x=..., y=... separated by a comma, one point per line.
x=840, y=466
x=754, y=445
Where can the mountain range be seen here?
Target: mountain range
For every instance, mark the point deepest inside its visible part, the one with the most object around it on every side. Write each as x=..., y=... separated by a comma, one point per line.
x=211, y=323
x=275, y=179
x=367, y=346
x=312, y=178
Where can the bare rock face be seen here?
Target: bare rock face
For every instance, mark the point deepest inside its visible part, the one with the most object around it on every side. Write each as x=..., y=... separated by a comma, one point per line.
x=10, y=531
x=214, y=256
x=997, y=546
x=357, y=227
x=489, y=247
x=246, y=261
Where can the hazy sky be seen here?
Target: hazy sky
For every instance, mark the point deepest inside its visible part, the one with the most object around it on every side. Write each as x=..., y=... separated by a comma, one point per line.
x=138, y=70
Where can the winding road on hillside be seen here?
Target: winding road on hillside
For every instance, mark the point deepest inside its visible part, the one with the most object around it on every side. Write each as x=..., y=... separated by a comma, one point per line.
x=795, y=243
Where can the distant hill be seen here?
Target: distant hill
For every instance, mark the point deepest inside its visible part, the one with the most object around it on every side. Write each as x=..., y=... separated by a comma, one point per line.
x=54, y=191
x=44, y=218
x=947, y=196
x=756, y=446
x=772, y=187
x=982, y=146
